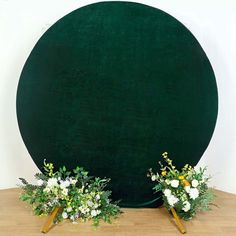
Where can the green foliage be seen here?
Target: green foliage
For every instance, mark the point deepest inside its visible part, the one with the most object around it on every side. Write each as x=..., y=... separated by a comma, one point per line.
x=78, y=195
x=186, y=190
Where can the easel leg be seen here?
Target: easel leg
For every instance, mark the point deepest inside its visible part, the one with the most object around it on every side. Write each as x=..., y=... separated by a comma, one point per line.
x=178, y=221
x=49, y=221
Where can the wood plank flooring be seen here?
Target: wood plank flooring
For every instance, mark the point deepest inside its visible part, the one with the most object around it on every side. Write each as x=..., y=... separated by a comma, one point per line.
x=16, y=219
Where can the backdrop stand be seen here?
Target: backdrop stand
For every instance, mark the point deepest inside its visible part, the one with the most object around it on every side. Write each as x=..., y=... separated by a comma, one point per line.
x=178, y=221
x=49, y=222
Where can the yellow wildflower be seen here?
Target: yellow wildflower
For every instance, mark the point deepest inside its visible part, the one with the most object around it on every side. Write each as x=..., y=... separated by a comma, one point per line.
x=181, y=177
x=163, y=173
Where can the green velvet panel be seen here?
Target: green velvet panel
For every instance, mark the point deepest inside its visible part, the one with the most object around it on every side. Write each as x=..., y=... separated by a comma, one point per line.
x=110, y=87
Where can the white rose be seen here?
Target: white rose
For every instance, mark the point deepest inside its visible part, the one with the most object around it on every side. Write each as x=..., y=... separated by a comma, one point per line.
x=174, y=183
x=40, y=182
x=64, y=215
x=194, y=183
x=64, y=184
x=167, y=192
x=172, y=200
x=93, y=213
x=193, y=193
x=52, y=182
x=187, y=206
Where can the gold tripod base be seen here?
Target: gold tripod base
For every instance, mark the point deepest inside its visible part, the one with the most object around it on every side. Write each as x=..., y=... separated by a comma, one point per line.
x=178, y=221
x=48, y=223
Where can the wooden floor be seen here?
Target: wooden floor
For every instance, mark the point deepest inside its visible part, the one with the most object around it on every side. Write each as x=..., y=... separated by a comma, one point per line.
x=16, y=219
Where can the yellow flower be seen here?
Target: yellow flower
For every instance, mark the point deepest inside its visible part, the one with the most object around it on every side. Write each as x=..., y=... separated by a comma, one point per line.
x=163, y=173
x=181, y=177
x=186, y=183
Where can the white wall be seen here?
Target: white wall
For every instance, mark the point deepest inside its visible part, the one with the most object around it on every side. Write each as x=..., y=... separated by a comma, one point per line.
x=213, y=22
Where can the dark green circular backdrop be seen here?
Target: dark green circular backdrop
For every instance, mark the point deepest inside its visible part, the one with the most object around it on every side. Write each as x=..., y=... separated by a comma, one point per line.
x=110, y=87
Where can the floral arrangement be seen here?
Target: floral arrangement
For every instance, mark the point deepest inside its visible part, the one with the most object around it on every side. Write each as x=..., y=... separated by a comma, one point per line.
x=79, y=196
x=184, y=190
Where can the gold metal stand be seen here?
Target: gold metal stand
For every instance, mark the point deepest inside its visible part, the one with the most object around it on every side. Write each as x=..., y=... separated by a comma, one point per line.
x=178, y=221
x=46, y=226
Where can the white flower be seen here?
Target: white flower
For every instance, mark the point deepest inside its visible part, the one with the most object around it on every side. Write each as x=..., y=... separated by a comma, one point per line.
x=64, y=184
x=64, y=215
x=52, y=182
x=98, y=212
x=69, y=209
x=154, y=177
x=193, y=193
x=82, y=209
x=174, y=183
x=187, y=188
x=187, y=206
x=47, y=190
x=93, y=213
x=40, y=182
x=90, y=203
x=194, y=183
x=97, y=197
x=167, y=181
x=55, y=201
x=167, y=192
x=172, y=200
x=73, y=181
x=65, y=191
